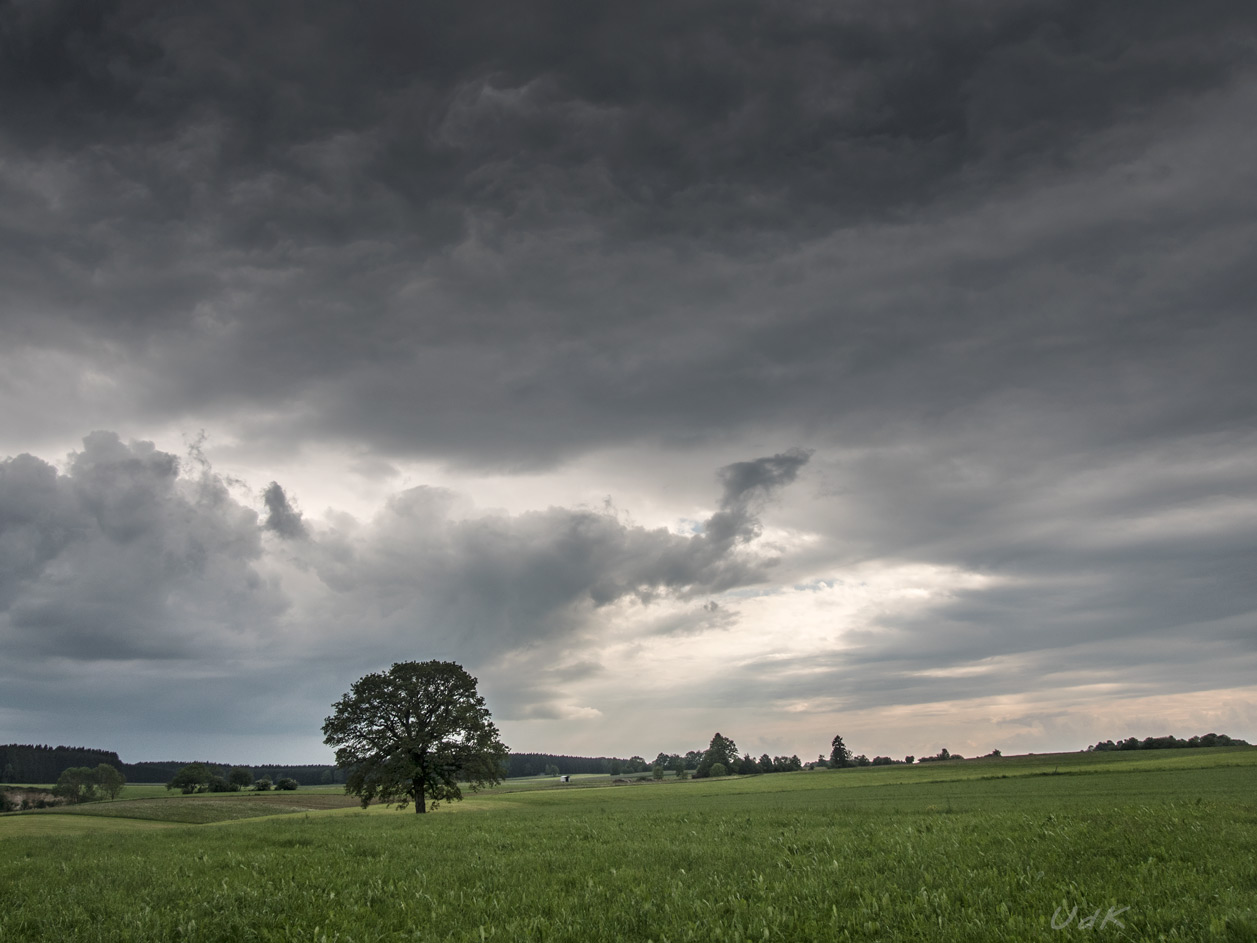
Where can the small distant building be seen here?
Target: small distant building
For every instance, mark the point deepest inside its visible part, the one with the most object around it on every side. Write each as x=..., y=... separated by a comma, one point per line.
x=564, y=779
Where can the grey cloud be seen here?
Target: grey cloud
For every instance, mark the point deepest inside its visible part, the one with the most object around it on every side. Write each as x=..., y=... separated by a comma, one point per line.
x=710, y=616
x=992, y=265
x=491, y=583
x=745, y=484
x=281, y=516
x=120, y=557
x=1135, y=573
x=124, y=559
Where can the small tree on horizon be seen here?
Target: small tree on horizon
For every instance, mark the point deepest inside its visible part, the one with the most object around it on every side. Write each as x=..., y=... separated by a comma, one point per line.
x=839, y=756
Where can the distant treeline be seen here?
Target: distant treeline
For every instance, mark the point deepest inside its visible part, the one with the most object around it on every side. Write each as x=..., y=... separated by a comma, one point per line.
x=28, y=763
x=1169, y=743
x=312, y=774
x=44, y=764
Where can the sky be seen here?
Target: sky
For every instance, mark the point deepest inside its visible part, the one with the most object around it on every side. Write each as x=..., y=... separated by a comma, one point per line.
x=777, y=369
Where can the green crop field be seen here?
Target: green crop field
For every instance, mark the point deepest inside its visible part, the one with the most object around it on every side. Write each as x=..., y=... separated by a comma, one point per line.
x=1159, y=845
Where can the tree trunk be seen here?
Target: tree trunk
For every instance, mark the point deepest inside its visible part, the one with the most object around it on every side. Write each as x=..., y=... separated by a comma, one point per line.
x=421, y=805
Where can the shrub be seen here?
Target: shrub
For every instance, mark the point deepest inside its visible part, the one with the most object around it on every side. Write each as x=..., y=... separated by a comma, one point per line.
x=286, y=783
x=717, y=769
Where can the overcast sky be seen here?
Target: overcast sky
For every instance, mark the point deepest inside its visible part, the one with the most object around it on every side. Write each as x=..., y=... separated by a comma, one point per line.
x=782, y=369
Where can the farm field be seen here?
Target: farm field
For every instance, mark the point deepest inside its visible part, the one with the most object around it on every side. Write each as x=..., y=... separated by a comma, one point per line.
x=1160, y=845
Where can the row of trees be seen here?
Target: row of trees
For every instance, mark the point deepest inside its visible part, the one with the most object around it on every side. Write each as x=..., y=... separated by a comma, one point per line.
x=721, y=752
x=721, y=758
x=841, y=757
x=313, y=774
x=1170, y=743
x=84, y=784
x=199, y=777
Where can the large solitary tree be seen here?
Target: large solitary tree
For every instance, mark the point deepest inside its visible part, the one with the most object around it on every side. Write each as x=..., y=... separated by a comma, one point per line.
x=413, y=733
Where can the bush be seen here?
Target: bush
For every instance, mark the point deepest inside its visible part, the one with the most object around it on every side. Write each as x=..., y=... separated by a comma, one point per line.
x=717, y=769
x=286, y=783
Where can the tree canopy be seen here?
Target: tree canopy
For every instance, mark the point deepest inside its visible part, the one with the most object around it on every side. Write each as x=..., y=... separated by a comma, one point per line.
x=412, y=733
x=839, y=755
x=80, y=783
x=195, y=777
x=721, y=751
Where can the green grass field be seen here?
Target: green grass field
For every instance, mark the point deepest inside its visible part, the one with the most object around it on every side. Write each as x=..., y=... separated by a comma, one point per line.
x=1165, y=842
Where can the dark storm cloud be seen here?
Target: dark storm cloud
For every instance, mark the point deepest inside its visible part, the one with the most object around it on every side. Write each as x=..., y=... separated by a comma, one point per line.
x=581, y=225
x=991, y=261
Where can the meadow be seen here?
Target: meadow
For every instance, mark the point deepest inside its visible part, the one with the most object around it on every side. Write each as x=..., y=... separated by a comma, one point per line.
x=1146, y=846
